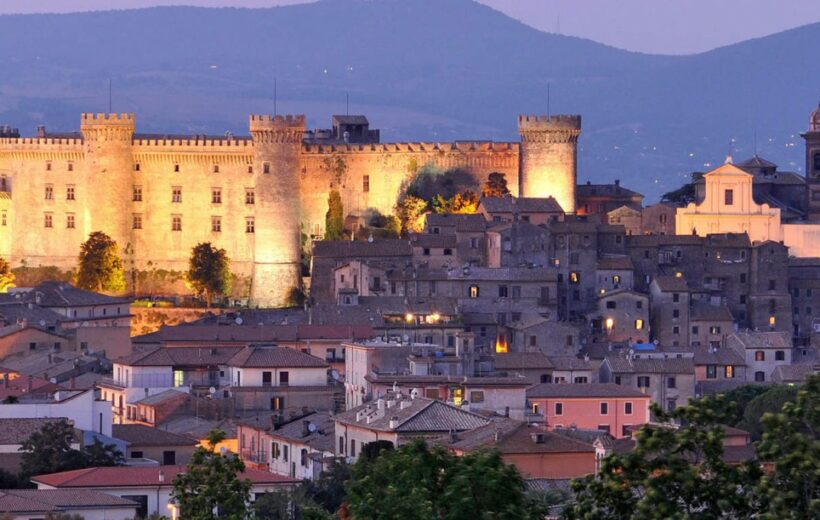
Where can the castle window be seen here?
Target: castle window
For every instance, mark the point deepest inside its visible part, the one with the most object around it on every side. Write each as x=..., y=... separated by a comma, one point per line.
x=250, y=226
x=48, y=166
x=250, y=168
x=136, y=167
x=137, y=194
x=216, y=195
x=69, y=221
x=176, y=194
x=70, y=166
x=249, y=196
x=216, y=168
x=49, y=220
x=69, y=192
x=3, y=219
x=216, y=224
x=137, y=221
x=266, y=167
x=176, y=168
x=728, y=197
x=49, y=192
x=176, y=223
x=366, y=183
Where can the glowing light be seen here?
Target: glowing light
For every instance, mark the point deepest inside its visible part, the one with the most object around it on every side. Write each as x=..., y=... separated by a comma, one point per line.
x=772, y=321
x=609, y=324
x=501, y=346
x=638, y=324
x=678, y=274
x=408, y=318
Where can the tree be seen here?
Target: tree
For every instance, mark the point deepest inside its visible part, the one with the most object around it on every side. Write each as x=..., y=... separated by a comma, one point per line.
x=211, y=488
x=415, y=482
x=209, y=271
x=6, y=276
x=461, y=203
x=49, y=450
x=685, y=194
x=410, y=211
x=674, y=472
x=495, y=186
x=771, y=401
x=101, y=268
x=791, y=442
x=328, y=491
x=98, y=454
x=335, y=217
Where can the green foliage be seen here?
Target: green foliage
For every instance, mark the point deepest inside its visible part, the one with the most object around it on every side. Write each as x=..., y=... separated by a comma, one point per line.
x=9, y=480
x=495, y=186
x=418, y=483
x=466, y=202
x=211, y=483
x=740, y=398
x=685, y=194
x=328, y=491
x=6, y=276
x=672, y=473
x=791, y=441
x=100, y=265
x=335, y=218
x=771, y=401
x=209, y=271
x=99, y=454
x=431, y=181
x=277, y=505
x=410, y=212
x=49, y=450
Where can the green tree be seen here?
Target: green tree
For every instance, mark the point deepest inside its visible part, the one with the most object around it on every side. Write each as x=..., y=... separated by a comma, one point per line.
x=211, y=488
x=101, y=268
x=277, y=505
x=791, y=442
x=410, y=212
x=740, y=398
x=771, y=401
x=673, y=472
x=6, y=276
x=335, y=217
x=461, y=203
x=495, y=186
x=685, y=194
x=98, y=454
x=49, y=450
x=209, y=271
x=328, y=491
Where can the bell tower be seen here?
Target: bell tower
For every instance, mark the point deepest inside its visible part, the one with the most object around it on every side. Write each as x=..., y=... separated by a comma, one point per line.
x=812, y=137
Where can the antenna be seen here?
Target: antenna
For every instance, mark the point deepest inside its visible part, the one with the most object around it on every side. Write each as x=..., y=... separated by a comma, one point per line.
x=549, y=84
x=109, y=95
x=755, y=138
x=347, y=103
x=274, y=96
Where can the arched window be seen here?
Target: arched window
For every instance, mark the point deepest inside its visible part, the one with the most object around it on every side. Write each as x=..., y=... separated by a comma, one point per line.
x=817, y=162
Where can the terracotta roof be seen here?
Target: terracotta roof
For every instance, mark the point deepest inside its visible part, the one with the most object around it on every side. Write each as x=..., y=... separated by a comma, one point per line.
x=61, y=294
x=568, y=390
x=23, y=501
x=138, y=476
x=253, y=333
x=621, y=364
x=609, y=190
x=717, y=356
x=702, y=311
x=13, y=311
x=162, y=397
x=17, y=431
x=360, y=249
x=510, y=436
x=140, y=435
x=510, y=204
x=521, y=360
x=430, y=240
x=620, y=263
x=420, y=415
x=465, y=223
x=264, y=357
x=752, y=340
x=315, y=430
x=671, y=283
x=180, y=356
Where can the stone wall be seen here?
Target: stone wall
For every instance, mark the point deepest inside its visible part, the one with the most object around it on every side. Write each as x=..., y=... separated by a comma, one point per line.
x=146, y=320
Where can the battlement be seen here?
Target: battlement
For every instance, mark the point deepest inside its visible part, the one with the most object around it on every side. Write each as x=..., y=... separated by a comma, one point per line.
x=543, y=123
x=30, y=143
x=90, y=118
x=413, y=147
x=265, y=121
x=175, y=144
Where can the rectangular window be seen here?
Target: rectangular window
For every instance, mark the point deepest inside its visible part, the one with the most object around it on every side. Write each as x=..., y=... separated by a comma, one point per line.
x=266, y=167
x=137, y=221
x=250, y=168
x=69, y=192
x=675, y=313
x=176, y=223
x=179, y=378
x=728, y=197
x=604, y=408
x=711, y=372
x=675, y=297
x=643, y=381
x=137, y=194
x=473, y=291
x=48, y=220
x=176, y=168
x=176, y=194
x=772, y=284
x=559, y=408
x=249, y=196
x=714, y=330
x=627, y=408
x=49, y=192
x=249, y=225
x=70, y=166
x=284, y=378
x=136, y=167
x=216, y=195
x=502, y=291
x=216, y=168
x=675, y=330
x=69, y=221
x=3, y=219
x=477, y=396
x=366, y=183
x=671, y=382
x=638, y=324
x=216, y=224
x=48, y=166
x=729, y=371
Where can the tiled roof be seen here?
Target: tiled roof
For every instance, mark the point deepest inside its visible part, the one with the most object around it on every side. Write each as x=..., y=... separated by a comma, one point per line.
x=510, y=204
x=728, y=240
x=23, y=501
x=61, y=294
x=793, y=373
x=662, y=240
x=17, y=431
x=752, y=340
x=138, y=476
x=756, y=161
x=162, y=397
x=254, y=333
x=477, y=381
x=419, y=415
x=510, y=436
x=14, y=311
x=703, y=311
x=620, y=364
x=140, y=435
x=609, y=190
x=573, y=363
x=180, y=356
x=521, y=360
x=568, y=390
x=506, y=274
x=361, y=249
x=350, y=120
x=462, y=223
x=527, y=320
x=436, y=241
x=621, y=263
x=717, y=356
x=265, y=357
x=671, y=283
x=319, y=437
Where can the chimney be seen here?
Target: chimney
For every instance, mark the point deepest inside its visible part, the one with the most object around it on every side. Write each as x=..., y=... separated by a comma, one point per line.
x=161, y=476
x=41, y=131
x=394, y=422
x=305, y=428
x=617, y=182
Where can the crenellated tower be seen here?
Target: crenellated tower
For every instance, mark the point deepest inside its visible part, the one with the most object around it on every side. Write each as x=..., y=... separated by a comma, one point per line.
x=277, y=143
x=108, y=173
x=548, y=157
x=812, y=137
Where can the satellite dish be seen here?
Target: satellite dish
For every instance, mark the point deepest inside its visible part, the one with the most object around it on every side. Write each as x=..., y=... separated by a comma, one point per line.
x=53, y=380
x=238, y=320
x=42, y=323
x=212, y=390
x=312, y=428
x=406, y=337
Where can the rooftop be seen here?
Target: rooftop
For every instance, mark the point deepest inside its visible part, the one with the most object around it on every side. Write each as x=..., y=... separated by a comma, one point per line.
x=360, y=249
x=140, y=476
x=703, y=311
x=510, y=204
x=17, y=431
x=753, y=340
x=254, y=333
x=510, y=436
x=671, y=284
x=522, y=361
x=406, y=415
x=622, y=364
x=580, y=390
x=61, y=294
x=265, y=356
x=22, y=501
x=140, y=435
x=463, y=223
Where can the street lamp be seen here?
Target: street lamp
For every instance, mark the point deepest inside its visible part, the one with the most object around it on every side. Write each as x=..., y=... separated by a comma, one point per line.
x=173, y=509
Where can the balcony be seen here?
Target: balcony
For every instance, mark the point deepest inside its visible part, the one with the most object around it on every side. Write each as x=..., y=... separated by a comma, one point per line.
x=254, y=456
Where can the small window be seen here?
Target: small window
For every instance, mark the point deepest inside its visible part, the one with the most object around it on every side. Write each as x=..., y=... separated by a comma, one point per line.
x=728, y=197
x=675, y=313
x=643, y=381
x=676, y=330
x=70, y=166
x=760, y=355
x=136, y=222
x=249, y=196
x=250, y=226
x=502, y=291
x=49, y=192
x=559, y=408
x=136, y=167
x=216, y=195
x=266, y=167
x=48, y=166
x=675, y=297
x=176, y=168
x=671, y=382
x=714, y=330
x=250, y=168
x=176, y=194
x=448, y=252
x=176, y=223
x=604, y=408
x=711, y=372
x=3, y=219
x=69, y=221
x=474, y=291
x=760, y=377
x=137, y=194
x=477, y=396
x=216, y=168
x=366, y=183
x=729, y=371
x=611, y=304
x=216, y=224
x=627, y=408
x=638, y=324
x=772, y=284
x=779, y=355
x=69, y=192
x=48, y=220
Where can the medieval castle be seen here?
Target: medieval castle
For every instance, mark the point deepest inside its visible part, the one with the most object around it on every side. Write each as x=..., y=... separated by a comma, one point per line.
x=158, y=196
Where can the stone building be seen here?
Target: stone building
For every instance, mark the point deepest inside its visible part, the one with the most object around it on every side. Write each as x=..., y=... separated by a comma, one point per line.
x=251, y=195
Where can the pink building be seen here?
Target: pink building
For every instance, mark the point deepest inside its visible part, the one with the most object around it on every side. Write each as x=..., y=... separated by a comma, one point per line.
x=608, y=407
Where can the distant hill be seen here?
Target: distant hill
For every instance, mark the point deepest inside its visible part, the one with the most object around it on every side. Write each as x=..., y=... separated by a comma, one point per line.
x=420, y=69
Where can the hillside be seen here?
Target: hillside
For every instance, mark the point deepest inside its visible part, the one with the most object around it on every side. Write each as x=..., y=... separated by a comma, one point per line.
x=420, y=69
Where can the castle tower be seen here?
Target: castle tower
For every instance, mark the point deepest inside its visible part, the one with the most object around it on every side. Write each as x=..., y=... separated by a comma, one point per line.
x=108, y=174
x=549, y=158
x=277, y=143
x=812, y=138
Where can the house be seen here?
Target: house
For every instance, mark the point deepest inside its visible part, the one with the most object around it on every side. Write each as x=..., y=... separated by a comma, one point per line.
x=622, y=315
x=84, y=408
x=34, y=504
x=614, y=272
x=596, y=200
x=762, y=351
x=534, y=367
x=534, y=451
x=629, y=218
x=159, y=408
x=573, y=369
x=658, y=219
x=399, y=419
x=16, y=386
x=793, y=374
x=149, y=486
x=600, y=406
x=145, y=442
x=533, y=210
x=718, y=368
x=14, y=432
x=535, y=333
x=709, y=324
x=669, y=298
x=469, y=232
x=669, y=381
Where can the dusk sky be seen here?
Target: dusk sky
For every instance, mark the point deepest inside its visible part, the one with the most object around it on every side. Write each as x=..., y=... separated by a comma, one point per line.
x=655, y=26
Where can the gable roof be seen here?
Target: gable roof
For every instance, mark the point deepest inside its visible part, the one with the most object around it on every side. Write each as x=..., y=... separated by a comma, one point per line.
x=671, y=283
x=703, y=311
x=521, y=361
x=418, y=416
x=266, y=356
x=16, y=431
x=727, y=169
x=462, y=222
x=140, y=476
x=319, y=437
x=621, y=263
x=754, y=340
x=510, y=436
x=61, y=294
x=510, y=204
x=53, y=500
x=652, y=366
x=180, y=356
x=141, y=435
x=361, y=249
x=350, y=120
x=208, y=333
x=716, y=356
x=581, y=390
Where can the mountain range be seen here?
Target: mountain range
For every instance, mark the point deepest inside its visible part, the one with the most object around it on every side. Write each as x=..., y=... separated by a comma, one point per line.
x=433, y=70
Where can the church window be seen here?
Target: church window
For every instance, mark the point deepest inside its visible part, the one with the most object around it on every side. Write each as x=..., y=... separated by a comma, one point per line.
x=49, y=220
x=250, y=226
x=69, y=221
x=69, y=192
x=366, y=183
x=266, y=167
x=176, y=223
x=249, y=196
x=216, y=195
x=176, y=194
x=728, y=197
x=137, y=194
x=137, y=221
x=216, y=168
x=216, y=224
x=49, y=192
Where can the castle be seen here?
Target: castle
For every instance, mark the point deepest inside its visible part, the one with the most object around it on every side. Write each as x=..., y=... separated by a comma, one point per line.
x=158, y=196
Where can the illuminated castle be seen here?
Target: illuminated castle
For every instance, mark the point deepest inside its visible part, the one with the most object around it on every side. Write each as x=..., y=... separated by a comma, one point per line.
x=158, y=196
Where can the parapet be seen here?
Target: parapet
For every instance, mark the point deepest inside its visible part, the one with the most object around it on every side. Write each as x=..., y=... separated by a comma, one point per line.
x=269, y=122
x=543, y=123
x=124, y=119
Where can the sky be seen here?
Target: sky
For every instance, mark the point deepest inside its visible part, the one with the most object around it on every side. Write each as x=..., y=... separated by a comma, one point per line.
x=652, y=26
